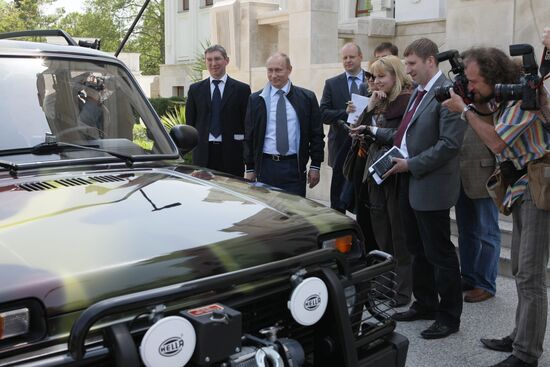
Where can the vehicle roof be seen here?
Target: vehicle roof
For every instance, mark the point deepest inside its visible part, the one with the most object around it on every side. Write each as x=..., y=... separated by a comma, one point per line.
x=25, y=47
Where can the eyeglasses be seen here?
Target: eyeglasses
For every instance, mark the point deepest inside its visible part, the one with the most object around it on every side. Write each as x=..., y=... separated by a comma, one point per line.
x=369, y=77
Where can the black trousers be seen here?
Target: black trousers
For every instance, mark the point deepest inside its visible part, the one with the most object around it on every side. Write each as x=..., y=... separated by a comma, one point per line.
x=283, y=174
x=435, y=268
x=215, y=156
x=338, y=180
x=362, y=211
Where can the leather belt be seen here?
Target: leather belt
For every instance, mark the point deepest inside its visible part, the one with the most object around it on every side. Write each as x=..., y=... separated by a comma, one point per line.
x=278, y=158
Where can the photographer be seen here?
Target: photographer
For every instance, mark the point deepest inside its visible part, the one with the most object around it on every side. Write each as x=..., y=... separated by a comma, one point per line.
x=91, y=117
x=518, y=140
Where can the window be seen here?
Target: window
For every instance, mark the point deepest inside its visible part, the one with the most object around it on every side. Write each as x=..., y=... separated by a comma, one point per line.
x=363, y=8
x=178, y=90
x=208, y=2
x=183, y=5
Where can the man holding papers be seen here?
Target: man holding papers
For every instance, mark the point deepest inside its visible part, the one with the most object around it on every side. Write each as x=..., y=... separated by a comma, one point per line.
x=431, y=137
x=336, y=94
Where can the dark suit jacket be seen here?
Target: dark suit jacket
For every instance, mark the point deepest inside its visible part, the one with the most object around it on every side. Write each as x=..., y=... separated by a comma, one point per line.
x=333, y=108
x=434, y=138
x=233, y=109
x=311, y=144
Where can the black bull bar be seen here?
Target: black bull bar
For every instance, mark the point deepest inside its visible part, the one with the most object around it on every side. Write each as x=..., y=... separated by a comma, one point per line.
x=119, y=333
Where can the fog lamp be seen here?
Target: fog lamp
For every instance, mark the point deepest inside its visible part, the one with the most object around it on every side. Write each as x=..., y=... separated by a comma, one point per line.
x=14, y=323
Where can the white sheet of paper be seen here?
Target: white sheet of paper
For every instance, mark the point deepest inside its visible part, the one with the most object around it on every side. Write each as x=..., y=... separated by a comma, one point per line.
x=360, y=102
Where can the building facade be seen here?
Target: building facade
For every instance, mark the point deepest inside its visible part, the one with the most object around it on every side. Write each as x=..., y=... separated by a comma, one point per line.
x=312, y=32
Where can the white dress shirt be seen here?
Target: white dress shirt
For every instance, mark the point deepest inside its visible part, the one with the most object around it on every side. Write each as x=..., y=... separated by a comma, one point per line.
x=221, y=87
x=427, y=88
x=270, y=142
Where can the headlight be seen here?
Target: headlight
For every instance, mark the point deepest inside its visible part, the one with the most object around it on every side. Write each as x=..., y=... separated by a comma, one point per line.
x=14, y=323
x=21, y=321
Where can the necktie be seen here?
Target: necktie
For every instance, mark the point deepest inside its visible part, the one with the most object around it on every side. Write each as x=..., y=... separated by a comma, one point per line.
x=281, y=128
x=354, y=88
x=215, y=124
x=407, y=119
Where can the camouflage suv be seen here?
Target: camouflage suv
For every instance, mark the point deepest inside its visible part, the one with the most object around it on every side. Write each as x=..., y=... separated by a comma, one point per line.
x=114, y=252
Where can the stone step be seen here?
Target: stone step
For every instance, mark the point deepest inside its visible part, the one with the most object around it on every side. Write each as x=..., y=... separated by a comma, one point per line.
x=505, y=261
x=504, y=223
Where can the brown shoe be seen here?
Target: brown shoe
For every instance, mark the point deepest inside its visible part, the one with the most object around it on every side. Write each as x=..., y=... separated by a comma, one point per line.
x=477, y=295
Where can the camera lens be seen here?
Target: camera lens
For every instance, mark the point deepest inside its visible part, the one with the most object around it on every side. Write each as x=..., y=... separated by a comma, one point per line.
x=508, y=92
x=442, y=93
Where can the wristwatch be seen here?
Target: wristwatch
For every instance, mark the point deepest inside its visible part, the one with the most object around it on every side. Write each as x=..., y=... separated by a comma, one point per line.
x=467, y=108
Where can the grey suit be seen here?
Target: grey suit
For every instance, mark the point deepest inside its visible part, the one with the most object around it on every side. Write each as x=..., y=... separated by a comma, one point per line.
x=434, y=138
x=427, y=192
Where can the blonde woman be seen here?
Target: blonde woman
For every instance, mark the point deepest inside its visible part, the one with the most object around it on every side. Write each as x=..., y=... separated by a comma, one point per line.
x=388, y=103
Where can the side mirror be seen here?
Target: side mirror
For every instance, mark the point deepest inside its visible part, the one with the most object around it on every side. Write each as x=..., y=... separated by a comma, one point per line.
x=186, y=138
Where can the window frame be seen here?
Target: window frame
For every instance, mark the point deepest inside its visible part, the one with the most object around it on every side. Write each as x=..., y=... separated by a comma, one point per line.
x=363, y=12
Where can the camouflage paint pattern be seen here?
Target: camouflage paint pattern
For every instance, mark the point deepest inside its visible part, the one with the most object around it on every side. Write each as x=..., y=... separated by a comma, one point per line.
x=104, y=233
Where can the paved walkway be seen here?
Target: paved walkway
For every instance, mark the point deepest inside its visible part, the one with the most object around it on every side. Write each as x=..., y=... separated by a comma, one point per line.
x=492, y=318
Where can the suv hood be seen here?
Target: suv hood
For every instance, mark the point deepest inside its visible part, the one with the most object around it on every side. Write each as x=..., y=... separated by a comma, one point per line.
x=73, y=239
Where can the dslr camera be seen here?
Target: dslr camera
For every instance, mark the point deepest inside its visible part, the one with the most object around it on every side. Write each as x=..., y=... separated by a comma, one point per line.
x=95, y=82
x=460, y=82
x=528, y=88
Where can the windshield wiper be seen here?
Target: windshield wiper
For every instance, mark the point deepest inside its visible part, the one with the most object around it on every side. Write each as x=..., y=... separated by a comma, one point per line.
x=52, y=147
x=12, y=167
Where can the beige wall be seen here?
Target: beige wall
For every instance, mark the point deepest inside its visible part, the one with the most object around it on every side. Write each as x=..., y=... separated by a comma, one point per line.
x=496, y=23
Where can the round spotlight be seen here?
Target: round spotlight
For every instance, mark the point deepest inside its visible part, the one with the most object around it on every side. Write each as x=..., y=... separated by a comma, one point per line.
x=170, y=342
x=308, y=301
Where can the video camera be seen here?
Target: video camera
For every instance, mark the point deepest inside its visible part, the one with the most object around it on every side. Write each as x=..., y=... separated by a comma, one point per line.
x=528, y=88
x=460, y=82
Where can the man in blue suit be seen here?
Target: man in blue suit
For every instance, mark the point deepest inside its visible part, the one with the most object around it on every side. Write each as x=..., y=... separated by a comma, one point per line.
x=336, y=93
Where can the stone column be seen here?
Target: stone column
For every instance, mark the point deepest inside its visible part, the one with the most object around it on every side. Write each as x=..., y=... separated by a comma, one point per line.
x=170, y=9
x=313, y=26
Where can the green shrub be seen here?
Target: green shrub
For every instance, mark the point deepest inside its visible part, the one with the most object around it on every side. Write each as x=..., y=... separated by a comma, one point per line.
x=163, y=105
x=175, y=116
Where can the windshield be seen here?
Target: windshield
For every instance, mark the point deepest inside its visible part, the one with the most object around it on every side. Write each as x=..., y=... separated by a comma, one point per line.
x=74, y=101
